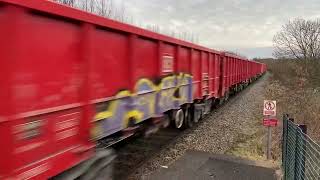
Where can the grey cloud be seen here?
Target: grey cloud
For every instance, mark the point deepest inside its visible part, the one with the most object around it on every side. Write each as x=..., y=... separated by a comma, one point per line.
x=228, y=24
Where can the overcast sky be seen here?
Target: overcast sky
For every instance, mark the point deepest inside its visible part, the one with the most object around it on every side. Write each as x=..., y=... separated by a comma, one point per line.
x=246, y=26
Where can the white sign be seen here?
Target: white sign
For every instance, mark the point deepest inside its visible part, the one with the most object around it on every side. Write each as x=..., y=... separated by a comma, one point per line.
x=269, y=108
x=167, y=64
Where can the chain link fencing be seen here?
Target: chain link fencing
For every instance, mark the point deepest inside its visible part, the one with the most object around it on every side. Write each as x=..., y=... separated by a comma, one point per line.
x=300, y=153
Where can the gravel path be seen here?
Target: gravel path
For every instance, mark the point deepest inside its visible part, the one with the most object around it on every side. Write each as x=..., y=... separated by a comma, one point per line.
x=220, y=131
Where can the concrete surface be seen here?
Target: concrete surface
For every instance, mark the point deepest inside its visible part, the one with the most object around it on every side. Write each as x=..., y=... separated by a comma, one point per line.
x=205, y=166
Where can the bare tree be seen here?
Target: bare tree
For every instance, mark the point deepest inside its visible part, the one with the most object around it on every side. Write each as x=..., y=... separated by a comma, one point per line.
x=88, y=5
x=236, y=54
x=107, y=8
x=298, y=39
x=66, y=2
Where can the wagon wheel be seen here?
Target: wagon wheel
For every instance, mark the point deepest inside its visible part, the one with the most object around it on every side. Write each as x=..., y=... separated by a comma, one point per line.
x=188, y=118
x=179, y=119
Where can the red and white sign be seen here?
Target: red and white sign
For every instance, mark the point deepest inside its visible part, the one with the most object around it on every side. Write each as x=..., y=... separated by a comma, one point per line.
x=167, y=64
x=270, y=122
x=269, y=108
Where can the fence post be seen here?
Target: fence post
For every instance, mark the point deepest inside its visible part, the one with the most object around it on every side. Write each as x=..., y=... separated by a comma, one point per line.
x=303, y=129
x=297, y=163
x=284, y=142
x=299, y=167
x=288, y=169
x=297, y=159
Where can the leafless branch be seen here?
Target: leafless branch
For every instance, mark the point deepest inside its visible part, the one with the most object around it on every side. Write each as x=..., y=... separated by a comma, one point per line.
x=299, y=39
x=107, y=8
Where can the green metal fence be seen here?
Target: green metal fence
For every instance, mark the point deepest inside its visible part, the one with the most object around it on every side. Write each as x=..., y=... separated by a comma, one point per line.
x=300, y=153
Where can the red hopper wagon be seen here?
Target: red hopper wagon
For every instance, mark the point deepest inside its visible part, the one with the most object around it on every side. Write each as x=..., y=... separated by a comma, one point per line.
x=69, y=78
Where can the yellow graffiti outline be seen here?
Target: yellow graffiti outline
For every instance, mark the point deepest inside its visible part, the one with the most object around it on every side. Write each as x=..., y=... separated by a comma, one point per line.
x=182, y=79
x=153, y=93
x=168, y=78
x=112, y=107
x=165, y=92
x=136, y=114
x=144, y=81
x=96, y=130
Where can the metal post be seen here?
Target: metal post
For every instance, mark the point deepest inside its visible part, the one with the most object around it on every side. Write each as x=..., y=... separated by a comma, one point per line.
x=303, y=151
x=288, y=171
x=298, y=155
x=269, y=143
x=284, y=141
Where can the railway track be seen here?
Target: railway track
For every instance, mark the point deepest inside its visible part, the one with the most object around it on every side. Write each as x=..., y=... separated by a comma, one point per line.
x=131, y=155
x=134, y=151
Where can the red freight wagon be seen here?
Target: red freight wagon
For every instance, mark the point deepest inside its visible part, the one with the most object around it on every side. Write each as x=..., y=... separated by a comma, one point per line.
x=69, y=78
x=236, y=73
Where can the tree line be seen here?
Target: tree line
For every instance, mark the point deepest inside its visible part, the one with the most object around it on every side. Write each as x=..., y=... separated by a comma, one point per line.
x=298, y=39
x=107, y=8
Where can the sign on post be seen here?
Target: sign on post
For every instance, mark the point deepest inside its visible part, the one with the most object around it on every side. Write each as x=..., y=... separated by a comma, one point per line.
x=270, y=122
x=269, y=108
x=269, y=111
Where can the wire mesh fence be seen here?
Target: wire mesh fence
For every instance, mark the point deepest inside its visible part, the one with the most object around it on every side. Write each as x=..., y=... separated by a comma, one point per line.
x=300, y=153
